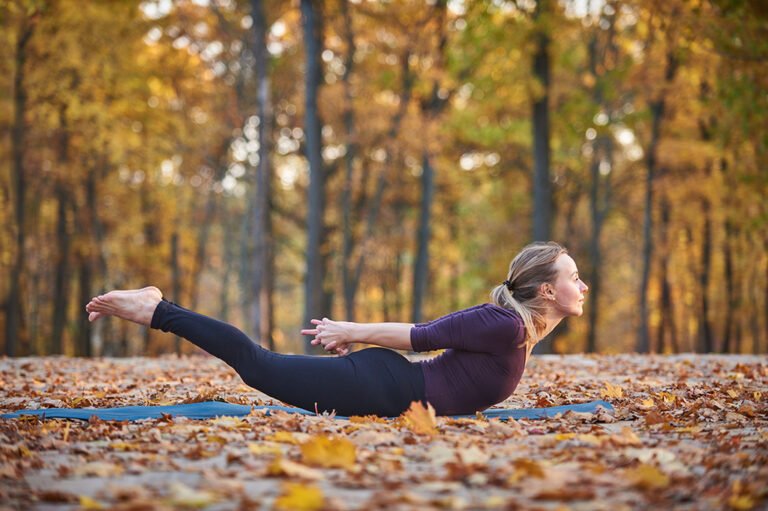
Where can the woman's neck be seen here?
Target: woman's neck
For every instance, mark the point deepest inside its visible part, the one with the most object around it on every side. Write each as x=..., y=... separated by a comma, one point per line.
x=551, y=320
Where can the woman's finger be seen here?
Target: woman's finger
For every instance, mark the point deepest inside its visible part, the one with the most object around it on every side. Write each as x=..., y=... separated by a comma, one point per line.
x=315, y=321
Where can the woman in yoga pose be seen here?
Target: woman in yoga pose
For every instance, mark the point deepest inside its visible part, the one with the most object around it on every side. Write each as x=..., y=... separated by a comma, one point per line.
x=486, y=346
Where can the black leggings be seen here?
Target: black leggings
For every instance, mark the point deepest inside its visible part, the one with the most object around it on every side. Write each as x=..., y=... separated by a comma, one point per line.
x=373, y=381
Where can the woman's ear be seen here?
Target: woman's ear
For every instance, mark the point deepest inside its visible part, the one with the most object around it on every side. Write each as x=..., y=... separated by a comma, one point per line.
x=547, y=291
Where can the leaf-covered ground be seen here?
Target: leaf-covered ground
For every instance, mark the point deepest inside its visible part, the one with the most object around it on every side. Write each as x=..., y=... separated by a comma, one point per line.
x=689, y=432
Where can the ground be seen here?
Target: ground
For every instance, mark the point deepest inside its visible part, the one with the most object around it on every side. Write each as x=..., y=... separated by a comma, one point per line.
x=688, y=432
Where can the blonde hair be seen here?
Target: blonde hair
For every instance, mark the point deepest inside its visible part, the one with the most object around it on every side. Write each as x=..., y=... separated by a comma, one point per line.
x=532, y=267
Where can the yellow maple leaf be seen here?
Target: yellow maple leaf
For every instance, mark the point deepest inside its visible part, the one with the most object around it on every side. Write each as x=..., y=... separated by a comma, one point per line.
x=421, y=420
x=741, y=502
x=611, y=390
x=300, y=497
x=87, y=502
x=256, y=448
x=647, y=403
x=283, y=437
x=322, y=451
x=648, y=477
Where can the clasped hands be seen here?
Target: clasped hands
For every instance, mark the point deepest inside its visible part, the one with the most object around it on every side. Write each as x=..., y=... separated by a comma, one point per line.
x=334, y=336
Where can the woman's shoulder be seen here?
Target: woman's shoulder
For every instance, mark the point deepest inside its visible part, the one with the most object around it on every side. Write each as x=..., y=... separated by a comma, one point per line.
x=512, y=313
x=492, y=310
x=487, y=310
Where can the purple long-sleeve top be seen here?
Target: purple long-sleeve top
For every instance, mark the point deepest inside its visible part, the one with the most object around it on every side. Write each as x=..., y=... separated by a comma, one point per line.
x=483, y=360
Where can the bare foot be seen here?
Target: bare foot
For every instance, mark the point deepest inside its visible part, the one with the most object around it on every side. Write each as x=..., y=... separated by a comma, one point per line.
x=91, y=307
x=135, y=305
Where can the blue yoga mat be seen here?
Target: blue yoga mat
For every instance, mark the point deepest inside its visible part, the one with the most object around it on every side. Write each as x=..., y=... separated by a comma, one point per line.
x=211, y=409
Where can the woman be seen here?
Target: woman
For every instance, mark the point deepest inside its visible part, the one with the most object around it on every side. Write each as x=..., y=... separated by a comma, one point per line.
x=486, y=346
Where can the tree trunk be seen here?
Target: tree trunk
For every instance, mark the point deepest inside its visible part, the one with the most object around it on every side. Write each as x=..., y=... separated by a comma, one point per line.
x=349, y=165
x=643, y=339
x=542, y=188
x=18, y=132
x=596, y=254
x=421, y=266
x=765, y=297
x=245, y=268
x=431, y=110
x=83, y=346
x=104, y=328
x=600, y=184
x=176, y=280
x=755, y=316
x=667, y=323
x=706, y=344
x=730, y=290
x=263, y=260
x=60, y=293
x=311, y=13
x=657, y=108
x=201, y=244
x=229, y=259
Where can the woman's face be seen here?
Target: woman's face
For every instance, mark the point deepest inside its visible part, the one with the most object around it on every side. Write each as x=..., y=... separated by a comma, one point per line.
x=569, y=290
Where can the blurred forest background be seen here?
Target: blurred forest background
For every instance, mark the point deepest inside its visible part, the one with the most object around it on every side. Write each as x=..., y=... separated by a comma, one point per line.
x=268, y=161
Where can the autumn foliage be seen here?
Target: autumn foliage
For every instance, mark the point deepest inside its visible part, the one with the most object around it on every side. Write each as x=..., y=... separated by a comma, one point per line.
x=132, y=144
x=687, y=432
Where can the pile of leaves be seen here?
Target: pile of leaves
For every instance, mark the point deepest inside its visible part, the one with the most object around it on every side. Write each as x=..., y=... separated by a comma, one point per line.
x=688, y=432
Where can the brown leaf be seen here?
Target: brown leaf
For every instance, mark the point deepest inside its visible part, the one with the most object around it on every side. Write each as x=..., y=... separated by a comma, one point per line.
x=654, y=417
x=566, y=493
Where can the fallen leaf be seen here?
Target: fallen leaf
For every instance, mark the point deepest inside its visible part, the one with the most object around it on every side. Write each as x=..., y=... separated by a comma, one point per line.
x=284, y=467
x=264, y=448
x=182, y=495
x=647, y=476
x=283, y=437
x=329, y=452
x=98, y=469
x=611, y=391
x=741, y=502
x=566, y=494
x=654, y=417
x=87, y=503
x=300, y=497
x=421, y=420
x=525, y=468
x=647, y=403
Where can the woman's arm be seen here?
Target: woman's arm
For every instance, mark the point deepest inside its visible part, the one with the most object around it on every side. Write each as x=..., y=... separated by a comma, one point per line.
x=336, y=336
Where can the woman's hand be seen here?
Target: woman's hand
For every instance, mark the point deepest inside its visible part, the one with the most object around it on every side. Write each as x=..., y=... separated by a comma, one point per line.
x=334, y=336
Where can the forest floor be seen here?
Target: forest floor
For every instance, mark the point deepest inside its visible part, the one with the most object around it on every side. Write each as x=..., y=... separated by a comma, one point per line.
x=688, y=432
